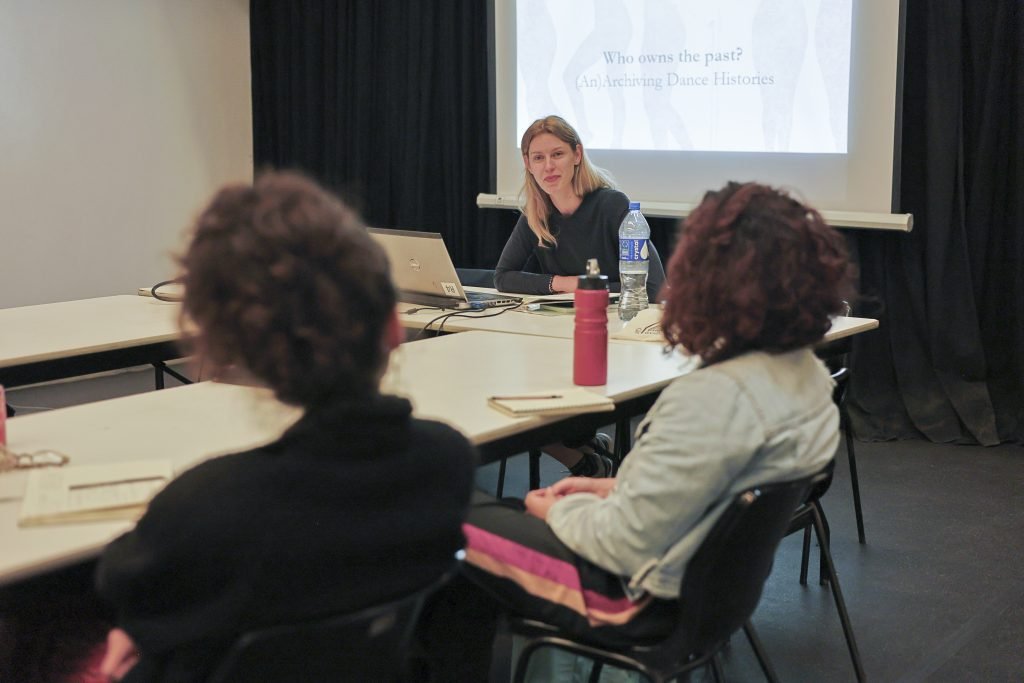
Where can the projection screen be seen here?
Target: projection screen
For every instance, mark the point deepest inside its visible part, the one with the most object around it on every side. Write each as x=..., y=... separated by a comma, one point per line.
x=675, y=97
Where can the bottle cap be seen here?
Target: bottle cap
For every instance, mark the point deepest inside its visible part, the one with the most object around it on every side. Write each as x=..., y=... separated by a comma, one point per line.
x=592, y=279
x=634, y=206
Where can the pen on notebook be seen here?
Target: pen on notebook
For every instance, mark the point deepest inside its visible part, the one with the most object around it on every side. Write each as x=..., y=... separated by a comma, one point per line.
x=136, y=480
x=524, y=398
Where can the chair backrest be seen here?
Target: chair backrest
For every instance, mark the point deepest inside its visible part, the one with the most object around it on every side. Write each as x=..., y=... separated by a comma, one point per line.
x=476, y=277
x=723, y=581
x=841, y=377
x=369, y=645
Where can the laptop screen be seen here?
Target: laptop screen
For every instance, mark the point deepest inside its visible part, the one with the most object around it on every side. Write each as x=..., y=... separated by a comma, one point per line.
x=424, y=273
x=420, y=262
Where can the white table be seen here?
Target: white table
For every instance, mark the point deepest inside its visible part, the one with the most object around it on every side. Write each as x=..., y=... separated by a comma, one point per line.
x=446, y=378
x=450, y=377
x=51, y=341
x=183, y=424
x=522, y=321
x=66, y=339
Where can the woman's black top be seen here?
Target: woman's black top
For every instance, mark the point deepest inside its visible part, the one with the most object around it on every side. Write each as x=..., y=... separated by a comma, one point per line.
x=592, y=231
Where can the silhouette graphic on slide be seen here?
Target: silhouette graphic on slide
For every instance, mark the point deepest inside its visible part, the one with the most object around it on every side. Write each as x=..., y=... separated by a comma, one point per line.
x=780, y=45
x=535, y=56
x=612, y=30
x=664, y=33
x=832, y=29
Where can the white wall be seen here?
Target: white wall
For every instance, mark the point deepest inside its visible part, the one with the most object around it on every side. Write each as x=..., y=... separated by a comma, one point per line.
x=118, y=119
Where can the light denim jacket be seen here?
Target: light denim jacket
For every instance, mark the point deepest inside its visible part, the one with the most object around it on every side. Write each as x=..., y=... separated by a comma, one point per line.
x=749, y=420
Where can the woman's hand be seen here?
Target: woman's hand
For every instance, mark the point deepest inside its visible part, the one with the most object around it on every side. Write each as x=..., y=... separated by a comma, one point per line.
x=564, y=283
x=538, y=502
x=121, y=655
x=599, y=487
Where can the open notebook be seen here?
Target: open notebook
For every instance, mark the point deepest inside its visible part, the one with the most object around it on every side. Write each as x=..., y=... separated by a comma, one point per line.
x=424, y=273
x=566, y=401
x=90, y=493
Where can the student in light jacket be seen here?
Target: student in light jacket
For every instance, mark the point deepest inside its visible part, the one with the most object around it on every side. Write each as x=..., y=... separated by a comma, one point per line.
x=751, y=286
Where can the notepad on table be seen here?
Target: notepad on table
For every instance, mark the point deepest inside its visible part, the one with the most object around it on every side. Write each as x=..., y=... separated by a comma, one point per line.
x=88, y=493
x=645, y=326
x=557, y=402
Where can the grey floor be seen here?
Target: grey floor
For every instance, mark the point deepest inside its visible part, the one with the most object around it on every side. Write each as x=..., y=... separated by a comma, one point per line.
x=936, y=594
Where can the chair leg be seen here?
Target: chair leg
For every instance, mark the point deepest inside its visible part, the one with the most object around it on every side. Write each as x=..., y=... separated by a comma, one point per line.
x=520, y=667
x=851, y=456
x=806, y=556
x=500, y=489
x=837, y=593
x=534, y=469
x=622, y=440
x=521, y=664
x=759, y=651
x=716, y=669
x=823, y=574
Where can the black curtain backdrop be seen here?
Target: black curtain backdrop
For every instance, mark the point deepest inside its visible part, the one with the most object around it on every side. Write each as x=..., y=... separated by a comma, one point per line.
x=948, y=359
x=387, y=102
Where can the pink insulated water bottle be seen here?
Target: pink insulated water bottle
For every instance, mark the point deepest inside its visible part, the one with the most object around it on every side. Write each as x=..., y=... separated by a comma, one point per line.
x=590, y=340
x=3, y=417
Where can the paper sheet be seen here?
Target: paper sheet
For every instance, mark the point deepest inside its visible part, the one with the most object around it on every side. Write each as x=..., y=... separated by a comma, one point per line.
x=91, y=492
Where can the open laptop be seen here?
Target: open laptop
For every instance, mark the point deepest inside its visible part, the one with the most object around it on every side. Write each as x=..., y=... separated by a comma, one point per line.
x=424, y=273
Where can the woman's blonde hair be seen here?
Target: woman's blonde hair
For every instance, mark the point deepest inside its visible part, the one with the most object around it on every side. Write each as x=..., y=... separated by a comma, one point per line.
x=585, y=179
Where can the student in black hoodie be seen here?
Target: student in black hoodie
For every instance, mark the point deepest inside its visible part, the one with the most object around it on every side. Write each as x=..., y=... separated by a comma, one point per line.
x=355, y=504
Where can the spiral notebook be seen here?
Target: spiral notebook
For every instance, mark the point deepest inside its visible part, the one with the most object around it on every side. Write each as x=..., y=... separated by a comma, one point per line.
x=555, y=402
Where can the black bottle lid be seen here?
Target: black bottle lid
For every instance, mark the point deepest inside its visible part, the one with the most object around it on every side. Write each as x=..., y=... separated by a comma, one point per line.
x=592, y=279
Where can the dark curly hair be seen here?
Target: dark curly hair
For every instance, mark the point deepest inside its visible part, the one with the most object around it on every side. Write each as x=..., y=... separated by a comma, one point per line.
x=282, y=278
x=754, y=269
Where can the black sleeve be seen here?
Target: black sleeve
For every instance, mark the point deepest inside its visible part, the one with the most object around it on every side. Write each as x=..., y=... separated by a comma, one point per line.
x=533, y=264
x=175, y=577
x=509, y=275
x=613, y=208
x=655, y=274
x=463, y=463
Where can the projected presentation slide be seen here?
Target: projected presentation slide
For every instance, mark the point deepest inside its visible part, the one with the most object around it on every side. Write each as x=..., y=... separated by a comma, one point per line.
x=723, y=76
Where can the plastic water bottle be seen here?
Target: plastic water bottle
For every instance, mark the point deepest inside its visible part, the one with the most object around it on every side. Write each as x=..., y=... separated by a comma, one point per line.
x=634, y=261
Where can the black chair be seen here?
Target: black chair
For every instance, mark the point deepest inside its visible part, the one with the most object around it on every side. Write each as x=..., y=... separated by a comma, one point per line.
x=841, y=376
x=533, y=477
x=369, y=645
x=720, y=591
x=811, y=515
x=835, y=355
x=475, y=277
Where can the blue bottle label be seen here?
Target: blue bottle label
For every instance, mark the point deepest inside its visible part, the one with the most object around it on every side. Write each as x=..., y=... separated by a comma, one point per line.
x=632, y=249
